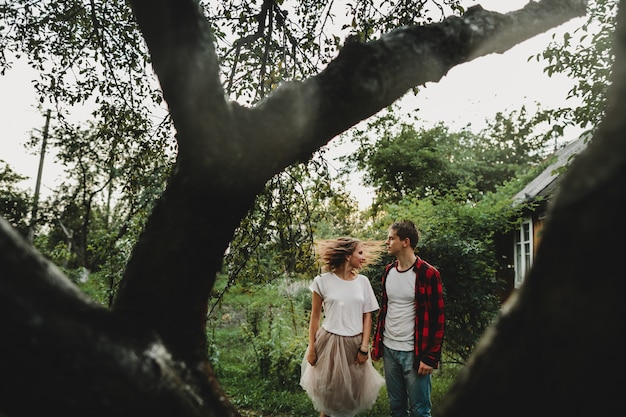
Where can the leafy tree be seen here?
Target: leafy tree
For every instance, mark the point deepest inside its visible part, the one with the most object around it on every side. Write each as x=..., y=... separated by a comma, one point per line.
x=506, y=146
x=126, y=104
x=86, y=65
x=587, y=57
x=15, y=204
x=400, y=160
x=409, y=163
x=147, y=354
x=106, y=197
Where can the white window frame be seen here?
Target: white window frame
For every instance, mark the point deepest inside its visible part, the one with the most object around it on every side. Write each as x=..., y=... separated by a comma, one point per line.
x=523, y=256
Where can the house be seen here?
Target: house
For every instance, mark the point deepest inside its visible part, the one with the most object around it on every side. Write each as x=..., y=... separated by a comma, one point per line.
x=538, y=192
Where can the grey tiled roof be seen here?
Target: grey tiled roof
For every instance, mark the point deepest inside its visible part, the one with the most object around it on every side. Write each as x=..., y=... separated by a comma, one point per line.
x=547, y=180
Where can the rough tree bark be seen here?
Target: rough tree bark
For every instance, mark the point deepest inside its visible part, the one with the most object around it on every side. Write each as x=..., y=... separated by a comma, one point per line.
x=64, y=354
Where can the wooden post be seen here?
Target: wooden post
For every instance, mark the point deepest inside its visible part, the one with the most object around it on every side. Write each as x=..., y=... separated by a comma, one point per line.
x=33, y=216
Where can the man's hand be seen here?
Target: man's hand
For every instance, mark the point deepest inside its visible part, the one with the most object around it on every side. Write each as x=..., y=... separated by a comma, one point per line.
x=424, y=369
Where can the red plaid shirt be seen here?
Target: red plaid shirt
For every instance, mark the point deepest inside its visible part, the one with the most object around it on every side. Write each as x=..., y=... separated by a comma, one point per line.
x=429, y=317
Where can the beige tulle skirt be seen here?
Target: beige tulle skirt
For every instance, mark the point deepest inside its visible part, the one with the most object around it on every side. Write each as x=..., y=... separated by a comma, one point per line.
x=336, y=385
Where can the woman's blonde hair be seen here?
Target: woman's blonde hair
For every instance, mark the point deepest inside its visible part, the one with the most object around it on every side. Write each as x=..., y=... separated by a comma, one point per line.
x=332, y=252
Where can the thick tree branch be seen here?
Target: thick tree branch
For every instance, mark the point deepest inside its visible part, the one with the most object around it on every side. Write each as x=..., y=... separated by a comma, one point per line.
x=366, y=78
x=217, y=137
x=62, y=352
x=182, y=48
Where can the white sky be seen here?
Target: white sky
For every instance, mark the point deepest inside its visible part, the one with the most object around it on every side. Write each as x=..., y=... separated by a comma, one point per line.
x=470, y=93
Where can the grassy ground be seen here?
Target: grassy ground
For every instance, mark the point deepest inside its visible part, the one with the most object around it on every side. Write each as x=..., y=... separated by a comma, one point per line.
x=257, y=342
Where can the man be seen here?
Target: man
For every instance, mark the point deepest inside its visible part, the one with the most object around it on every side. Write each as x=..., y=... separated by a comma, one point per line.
x=410, y=324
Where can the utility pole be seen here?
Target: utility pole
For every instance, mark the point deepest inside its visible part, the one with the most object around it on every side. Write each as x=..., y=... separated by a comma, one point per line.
x=33, y=215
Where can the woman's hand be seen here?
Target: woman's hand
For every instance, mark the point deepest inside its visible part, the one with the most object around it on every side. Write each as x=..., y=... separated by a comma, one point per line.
x=311, y=356
x=360, y=358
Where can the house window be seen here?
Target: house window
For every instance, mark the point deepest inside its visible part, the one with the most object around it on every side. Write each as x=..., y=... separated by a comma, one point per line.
x=523, y=251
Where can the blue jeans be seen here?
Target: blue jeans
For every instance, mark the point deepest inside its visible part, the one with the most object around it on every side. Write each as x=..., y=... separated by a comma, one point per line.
x=409, y=393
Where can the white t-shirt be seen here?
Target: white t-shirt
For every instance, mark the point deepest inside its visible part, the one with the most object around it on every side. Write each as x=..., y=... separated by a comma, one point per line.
x=344, y=302
x=399, y=331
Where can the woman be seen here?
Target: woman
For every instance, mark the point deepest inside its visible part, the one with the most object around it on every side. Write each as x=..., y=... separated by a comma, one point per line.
x=337, y=372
